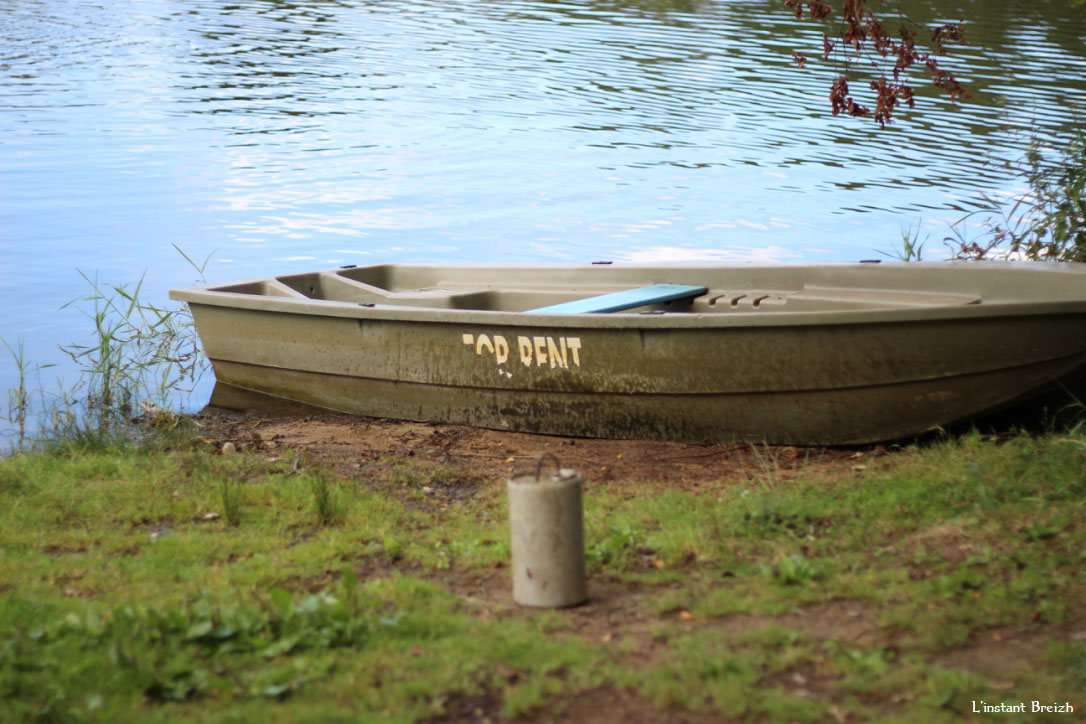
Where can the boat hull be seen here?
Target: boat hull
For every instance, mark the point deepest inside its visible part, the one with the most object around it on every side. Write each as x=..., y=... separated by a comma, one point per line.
x=865, y=380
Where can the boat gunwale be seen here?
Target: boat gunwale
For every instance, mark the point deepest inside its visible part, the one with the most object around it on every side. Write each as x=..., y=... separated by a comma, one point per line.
x=621, y=320
x=208, y=294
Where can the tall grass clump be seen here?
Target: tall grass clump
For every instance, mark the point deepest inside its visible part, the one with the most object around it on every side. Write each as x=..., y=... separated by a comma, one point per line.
x=326, y=499
x=912, y=246
x=230, y=493
x=1047, y=222
x=142, y=359
x=139, y=356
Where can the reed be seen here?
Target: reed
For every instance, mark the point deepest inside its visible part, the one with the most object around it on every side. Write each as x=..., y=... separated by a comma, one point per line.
x=140, y=364
x=326, y=499
x=140, y=356
x=19, y=399
x=1046, y=223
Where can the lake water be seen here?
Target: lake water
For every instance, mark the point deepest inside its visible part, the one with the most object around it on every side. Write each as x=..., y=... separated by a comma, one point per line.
x=275, y=137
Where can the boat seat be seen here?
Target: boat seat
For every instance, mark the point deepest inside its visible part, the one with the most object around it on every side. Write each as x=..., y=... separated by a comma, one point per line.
x=862, y=298
x=626, y=299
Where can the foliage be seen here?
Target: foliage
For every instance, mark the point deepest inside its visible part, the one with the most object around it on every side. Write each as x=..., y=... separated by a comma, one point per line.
x=141, y=360
x=326, y=500
x=19, y=397
x=793, y=570
x=893, y=55
x=140, y=354
x=1047, y=223
x=912, y=246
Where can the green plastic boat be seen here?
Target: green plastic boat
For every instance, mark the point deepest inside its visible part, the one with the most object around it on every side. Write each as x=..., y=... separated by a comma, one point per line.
x=803, y=354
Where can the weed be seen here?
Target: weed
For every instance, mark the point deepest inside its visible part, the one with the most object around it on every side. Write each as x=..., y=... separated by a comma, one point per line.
x=141, y=361
x=141, y=354
x=794, y=570
x=1047, y=223
x=176, y=654
x=617, y=548
x=867, y=662
x=18, y=409
x=393, y=548
x=769, y=461
x=1057, y=223
x=952, y=690
x=326, y=500
x=912, y=246
x=230, y=492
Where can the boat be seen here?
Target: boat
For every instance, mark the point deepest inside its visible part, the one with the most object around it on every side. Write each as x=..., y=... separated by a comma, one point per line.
x=813, y=354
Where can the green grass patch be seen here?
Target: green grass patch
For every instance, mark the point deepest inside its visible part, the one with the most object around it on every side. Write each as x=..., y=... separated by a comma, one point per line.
x=163, y=581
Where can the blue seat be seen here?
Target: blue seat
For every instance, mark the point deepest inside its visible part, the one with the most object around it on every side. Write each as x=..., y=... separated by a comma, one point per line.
x=626, y=299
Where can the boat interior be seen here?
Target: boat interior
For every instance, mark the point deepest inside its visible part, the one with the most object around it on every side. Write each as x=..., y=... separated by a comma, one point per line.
x=525, y=289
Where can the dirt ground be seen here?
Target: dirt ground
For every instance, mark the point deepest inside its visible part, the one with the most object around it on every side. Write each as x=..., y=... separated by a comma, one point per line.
x=347, y=443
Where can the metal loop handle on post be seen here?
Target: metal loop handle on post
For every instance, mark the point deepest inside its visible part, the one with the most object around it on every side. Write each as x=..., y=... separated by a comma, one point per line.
x=539, y=465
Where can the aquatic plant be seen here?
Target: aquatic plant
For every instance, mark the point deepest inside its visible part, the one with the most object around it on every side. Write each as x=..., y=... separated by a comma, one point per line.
x=912, y=246
x=1045, y=223
x=141, y=360
x=140, y=355
x=19, y=397
x=1048, y=222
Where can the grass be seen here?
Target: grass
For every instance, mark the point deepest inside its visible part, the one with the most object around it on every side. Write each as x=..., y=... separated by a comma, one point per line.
x=19, y=402
x=142, y=360
x=160, y=579
x=1045, y=223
